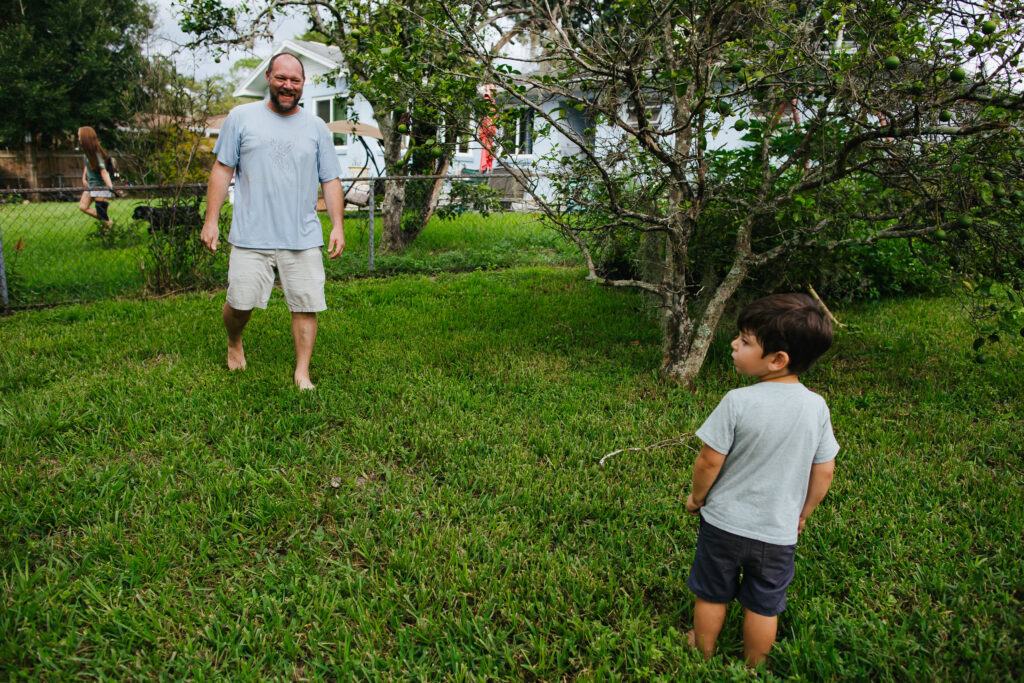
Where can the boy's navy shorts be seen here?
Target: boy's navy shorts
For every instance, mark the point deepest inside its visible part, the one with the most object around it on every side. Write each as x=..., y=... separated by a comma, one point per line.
x=101, y=210
x=755, y=573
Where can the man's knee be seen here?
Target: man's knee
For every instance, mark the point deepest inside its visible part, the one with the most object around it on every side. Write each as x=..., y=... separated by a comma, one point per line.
x=236, y=314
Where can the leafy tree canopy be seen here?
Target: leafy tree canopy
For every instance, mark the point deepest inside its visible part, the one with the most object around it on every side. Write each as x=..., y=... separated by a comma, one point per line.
x=68, y=63
x=863, y=121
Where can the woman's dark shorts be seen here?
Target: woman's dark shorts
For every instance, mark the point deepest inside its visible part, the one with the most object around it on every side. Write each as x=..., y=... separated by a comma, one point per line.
x=722, y=557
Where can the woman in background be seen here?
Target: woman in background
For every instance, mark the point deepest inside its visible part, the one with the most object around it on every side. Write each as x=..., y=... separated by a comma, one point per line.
x=95, y=176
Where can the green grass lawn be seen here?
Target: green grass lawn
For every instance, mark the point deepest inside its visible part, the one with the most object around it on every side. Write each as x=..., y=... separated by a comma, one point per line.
x=468, y=242
x=51, y=257
x=436, y=510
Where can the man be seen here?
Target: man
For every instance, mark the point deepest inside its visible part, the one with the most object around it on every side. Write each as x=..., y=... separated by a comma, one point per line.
x=278, y=153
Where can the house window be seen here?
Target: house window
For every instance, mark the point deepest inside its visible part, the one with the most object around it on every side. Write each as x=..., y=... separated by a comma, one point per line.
x=323, y=110
x=524, y=131
x=462, y=138
x=653, y=112
x=590, y=127
x=334, y=109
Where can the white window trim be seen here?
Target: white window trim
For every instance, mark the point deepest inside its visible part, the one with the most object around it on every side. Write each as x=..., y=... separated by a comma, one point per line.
x=526, y=156
x=333, y=99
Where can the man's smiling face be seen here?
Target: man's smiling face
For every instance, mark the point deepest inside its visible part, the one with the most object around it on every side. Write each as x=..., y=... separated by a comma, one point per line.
x=285, y=80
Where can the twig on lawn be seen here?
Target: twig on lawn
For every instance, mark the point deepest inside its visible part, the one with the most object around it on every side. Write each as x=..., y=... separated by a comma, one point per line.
x=828, y=312
x=665, y=443
x=172, y=292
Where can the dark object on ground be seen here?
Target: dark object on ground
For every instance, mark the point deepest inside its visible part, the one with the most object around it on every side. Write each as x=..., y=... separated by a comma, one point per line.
x=168, y=218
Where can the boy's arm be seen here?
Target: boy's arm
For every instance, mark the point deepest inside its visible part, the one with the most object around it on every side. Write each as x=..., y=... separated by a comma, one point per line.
x=705, y=471
x=817, y=487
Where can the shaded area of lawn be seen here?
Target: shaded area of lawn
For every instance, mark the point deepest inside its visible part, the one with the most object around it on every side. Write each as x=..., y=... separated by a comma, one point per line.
x=436, y=506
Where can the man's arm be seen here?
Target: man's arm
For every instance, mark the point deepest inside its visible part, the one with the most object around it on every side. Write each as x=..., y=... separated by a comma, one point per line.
x=817, y=487
x=216, y=191
x=335, y=201
x=705, y=471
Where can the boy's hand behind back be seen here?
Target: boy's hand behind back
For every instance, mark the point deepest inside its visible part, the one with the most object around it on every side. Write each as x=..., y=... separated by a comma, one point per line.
x=692, y=506
x=705, y=470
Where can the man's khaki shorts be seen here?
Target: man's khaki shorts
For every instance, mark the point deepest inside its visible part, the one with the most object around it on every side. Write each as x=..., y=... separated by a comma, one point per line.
x=251, y=278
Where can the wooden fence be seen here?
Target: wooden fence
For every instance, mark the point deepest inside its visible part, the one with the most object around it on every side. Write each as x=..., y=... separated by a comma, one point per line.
x=51, y=169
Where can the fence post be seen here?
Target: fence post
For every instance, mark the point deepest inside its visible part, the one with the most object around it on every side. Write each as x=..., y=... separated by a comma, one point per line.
x=3, y=272
x=371, y=225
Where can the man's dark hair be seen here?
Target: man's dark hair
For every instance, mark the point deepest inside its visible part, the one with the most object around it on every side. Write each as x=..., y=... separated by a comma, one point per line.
x=270, y=64
x=794, y=323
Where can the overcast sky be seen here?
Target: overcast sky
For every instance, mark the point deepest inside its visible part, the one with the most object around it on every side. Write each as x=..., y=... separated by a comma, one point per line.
x=169, y=39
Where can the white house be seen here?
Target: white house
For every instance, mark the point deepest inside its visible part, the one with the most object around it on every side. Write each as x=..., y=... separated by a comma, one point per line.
x=326, y=93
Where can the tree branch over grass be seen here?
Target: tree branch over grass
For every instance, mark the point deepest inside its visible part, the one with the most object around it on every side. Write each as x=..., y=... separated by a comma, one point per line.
x=848, y=124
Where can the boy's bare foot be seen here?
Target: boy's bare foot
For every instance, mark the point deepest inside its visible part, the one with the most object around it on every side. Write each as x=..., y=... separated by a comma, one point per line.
x=304, y=383
x=691, y=640
x=236, y=358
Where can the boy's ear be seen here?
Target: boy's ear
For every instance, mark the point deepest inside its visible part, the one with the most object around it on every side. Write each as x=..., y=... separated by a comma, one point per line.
x=778, y=360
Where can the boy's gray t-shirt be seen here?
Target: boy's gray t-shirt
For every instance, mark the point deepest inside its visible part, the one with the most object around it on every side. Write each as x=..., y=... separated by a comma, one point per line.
x=771, y=433
x=280, y=162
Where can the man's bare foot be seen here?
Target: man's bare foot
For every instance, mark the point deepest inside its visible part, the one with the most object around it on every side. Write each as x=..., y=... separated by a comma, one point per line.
x=304, y=384
x=236, y=358
x=691, y=639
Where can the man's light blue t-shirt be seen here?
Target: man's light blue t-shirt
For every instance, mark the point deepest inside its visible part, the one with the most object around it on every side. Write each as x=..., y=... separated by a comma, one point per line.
x=771, y=433
x=279, y=162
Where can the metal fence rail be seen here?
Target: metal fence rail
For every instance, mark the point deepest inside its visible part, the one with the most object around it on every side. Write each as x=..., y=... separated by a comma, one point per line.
x=52, y=253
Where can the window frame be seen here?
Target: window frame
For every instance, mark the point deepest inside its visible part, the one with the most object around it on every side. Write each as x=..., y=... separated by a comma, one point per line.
x=335, y=101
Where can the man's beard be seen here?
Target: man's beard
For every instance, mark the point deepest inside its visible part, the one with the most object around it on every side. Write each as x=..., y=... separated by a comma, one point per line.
x=276, y=99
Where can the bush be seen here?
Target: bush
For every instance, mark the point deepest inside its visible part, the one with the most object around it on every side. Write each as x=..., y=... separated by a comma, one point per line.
x=116, y=235
x=178, y=260
x=865, y=271
x=465, y=196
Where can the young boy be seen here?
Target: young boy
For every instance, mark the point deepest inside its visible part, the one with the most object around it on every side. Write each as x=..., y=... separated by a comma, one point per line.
x=767, y=462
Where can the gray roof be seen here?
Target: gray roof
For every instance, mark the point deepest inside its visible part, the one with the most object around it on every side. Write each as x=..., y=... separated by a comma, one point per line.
x=330, y=52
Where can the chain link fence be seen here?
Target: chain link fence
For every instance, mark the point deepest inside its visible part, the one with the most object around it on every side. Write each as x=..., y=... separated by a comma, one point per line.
x=51, y=252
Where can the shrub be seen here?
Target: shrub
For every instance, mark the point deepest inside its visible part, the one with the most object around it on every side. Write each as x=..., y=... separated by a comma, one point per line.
x=465, y=196
x=178, y=260
x=116, y=235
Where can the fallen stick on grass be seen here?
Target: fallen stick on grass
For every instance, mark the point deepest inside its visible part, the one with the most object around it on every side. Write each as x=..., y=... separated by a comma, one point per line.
x=831, y=317
x=677, y=441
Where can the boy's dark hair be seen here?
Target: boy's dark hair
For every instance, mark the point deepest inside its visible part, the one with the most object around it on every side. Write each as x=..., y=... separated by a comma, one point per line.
x=794, y=323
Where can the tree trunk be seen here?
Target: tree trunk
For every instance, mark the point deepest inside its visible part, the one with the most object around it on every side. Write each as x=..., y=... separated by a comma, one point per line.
x=427, y=211
x=391, y=209
x=396, y=237
x=32, y=166
x=690, y=342
x=392, y=237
